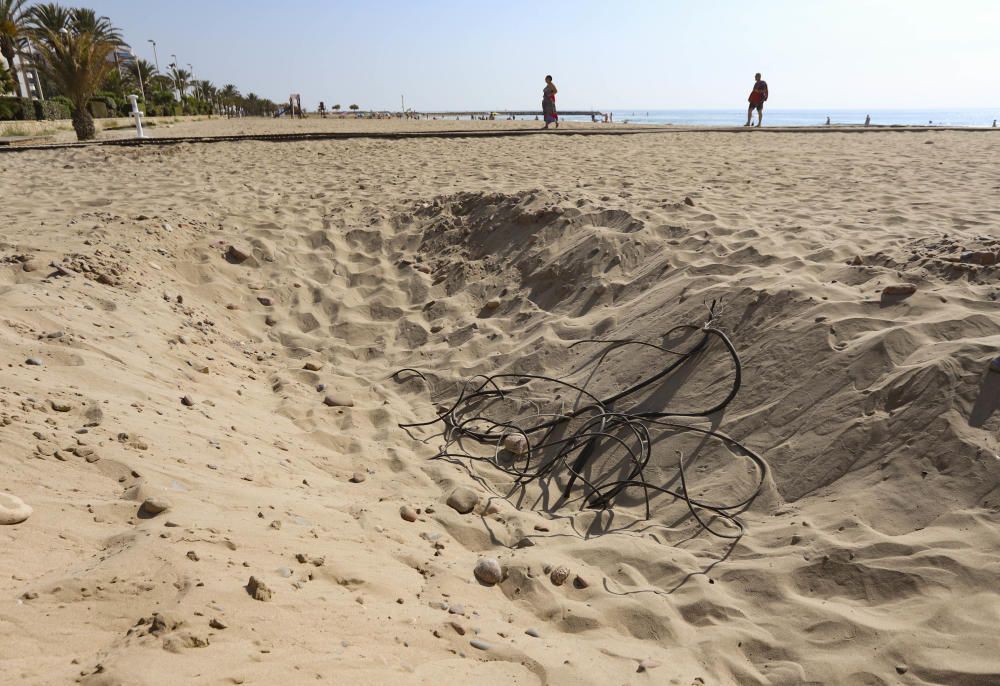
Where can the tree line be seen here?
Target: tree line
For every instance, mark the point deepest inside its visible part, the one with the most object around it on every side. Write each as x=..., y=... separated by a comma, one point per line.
x=78, y=58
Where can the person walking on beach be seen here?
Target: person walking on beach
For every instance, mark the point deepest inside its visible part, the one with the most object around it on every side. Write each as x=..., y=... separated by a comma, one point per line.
x=757, y=98
x=549, y=103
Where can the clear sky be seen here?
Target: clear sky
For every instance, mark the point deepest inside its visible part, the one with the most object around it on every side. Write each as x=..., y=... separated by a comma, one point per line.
x=623, y=54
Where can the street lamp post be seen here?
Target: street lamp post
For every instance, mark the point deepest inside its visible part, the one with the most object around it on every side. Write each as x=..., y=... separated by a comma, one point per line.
x=177, y=83
x=138, y=73
x=155, y=58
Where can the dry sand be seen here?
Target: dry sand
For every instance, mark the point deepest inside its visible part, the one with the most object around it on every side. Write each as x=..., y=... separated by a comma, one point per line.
x=871, y=557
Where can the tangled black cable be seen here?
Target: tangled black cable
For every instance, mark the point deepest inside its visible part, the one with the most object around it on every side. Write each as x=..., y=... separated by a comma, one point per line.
x=530, y=446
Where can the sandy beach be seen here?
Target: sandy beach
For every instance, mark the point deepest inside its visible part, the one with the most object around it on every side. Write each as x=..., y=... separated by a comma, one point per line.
x=199, y=407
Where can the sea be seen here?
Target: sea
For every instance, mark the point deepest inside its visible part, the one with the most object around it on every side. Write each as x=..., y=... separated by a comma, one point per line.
x=783, y=117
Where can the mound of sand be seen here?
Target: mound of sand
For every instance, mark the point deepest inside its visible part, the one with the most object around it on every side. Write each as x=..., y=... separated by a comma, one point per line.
x=201, y=410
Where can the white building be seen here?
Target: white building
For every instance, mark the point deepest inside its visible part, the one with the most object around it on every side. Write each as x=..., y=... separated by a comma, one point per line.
x=28, y=79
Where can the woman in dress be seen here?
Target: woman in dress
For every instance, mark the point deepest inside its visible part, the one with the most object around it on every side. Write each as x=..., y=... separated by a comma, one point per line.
x=549, y=103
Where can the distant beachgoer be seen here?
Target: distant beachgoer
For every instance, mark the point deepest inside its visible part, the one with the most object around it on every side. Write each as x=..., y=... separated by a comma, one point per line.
x=758, y=96
x=549, y=103
x=828, y=121
x=994, y=123
x=868, y=120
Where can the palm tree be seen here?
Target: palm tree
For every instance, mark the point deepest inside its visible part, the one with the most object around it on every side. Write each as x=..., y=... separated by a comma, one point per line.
x=229, y=95
x=83, y=20
x=202, y=90
x=12, y=29
x=142, y=70
x=48, y=16
x=162, y=82
x=182, y=78
x=76, y=60
x=252, y=103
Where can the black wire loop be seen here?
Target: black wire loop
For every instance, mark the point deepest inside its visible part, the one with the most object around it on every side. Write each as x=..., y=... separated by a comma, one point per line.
x=598, y=452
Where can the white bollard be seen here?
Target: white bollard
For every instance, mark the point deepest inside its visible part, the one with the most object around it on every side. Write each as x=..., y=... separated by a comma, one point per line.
x=134, y=99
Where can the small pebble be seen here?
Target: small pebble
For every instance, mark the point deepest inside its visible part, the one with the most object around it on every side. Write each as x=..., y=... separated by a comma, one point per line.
x=155, y=505
x=408, y=513
x=480, y=644
x=463, y=500
x=559, y=575
x=258, y=590
x=488, y=571
x=33, y=361
x=358, y=478
x=516, y=444
x=336, y=400
x=13, y=510
x=647, y=665
x=532, y=632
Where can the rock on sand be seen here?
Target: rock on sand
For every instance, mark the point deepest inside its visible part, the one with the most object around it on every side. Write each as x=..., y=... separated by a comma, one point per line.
x=488, y=571
x=13, y=510
x=463, y=500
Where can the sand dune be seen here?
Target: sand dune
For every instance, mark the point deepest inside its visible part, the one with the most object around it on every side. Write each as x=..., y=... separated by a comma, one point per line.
x=202, y=392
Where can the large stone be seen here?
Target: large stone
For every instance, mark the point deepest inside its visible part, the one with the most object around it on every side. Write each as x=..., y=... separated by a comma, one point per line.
x=13, y=510
x=463, y=500
x=980, y=257
x=899, y=289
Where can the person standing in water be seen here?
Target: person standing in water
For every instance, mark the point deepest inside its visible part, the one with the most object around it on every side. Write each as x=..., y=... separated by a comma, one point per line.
x=549, y=103
x=758, y=96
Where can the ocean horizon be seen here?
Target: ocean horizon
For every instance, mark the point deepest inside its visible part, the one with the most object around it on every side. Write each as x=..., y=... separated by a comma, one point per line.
x=808, y=117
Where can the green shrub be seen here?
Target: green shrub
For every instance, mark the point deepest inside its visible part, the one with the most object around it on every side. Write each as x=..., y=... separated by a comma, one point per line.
x=17, y=108
x=98, y=108
x=109, y=98
x=53, y=109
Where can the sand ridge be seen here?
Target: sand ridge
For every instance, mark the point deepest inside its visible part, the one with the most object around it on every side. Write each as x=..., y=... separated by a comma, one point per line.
x=198, y=383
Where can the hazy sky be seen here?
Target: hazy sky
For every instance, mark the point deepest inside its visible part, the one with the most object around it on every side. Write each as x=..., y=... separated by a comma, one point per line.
x=625, y=54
